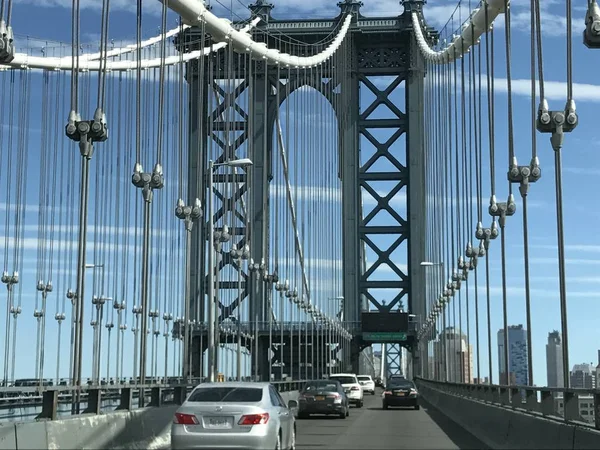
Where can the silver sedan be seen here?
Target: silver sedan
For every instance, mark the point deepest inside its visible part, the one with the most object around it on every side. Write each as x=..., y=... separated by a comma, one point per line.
x=234, y=416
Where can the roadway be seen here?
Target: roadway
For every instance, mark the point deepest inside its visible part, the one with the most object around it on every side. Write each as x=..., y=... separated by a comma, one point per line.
x=370, y=427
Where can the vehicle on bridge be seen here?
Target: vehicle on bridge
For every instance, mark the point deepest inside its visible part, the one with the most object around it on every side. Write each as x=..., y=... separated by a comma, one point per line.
x=351, y=386
x=400, y=392
x=323, y=397
x=234, y=415
x=367, y=383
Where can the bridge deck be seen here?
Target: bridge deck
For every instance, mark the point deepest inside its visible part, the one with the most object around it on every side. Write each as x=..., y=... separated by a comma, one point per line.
x=372, y=427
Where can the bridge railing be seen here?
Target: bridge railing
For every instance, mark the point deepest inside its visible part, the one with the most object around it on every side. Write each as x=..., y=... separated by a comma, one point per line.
x=96, y=399
x=577, y=406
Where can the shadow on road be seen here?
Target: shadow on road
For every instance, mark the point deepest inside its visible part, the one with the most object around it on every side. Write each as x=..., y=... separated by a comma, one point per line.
x=461, y=438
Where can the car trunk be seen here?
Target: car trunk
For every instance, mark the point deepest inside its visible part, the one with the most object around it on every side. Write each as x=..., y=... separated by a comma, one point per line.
x=319, y=398
x=219, y=417
x=400, y=391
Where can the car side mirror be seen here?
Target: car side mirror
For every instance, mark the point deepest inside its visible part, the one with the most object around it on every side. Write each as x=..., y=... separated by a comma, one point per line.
x=292, y=404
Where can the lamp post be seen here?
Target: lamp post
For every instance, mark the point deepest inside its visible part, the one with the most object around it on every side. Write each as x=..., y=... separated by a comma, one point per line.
x=212, y=316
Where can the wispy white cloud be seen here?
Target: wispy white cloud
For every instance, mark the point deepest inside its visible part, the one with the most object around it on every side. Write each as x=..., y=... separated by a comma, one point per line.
x=514, y=291
x=62, y=245
x=590, y=248
x=554, y=90
x=574, y=279
x=581, y=170
x=33, y=208
x=571, y=261
x=116, y=5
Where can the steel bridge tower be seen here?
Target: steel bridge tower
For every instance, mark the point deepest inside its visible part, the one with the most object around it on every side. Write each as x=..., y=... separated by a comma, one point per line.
x=383, y=51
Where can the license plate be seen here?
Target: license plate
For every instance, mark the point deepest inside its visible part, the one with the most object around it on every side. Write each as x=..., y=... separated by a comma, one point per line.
x=219, y=423
x=400, y=394
x=320, y=399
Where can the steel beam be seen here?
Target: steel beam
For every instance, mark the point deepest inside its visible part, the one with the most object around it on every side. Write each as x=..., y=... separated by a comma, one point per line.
x=415, y=147
x=351, y=204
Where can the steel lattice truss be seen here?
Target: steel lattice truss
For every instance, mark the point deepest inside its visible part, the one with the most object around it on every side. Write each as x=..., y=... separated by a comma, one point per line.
x=394, y=229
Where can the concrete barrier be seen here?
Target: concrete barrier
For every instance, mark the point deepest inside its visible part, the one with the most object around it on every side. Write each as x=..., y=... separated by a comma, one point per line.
x=146, y=428
x=505, y=428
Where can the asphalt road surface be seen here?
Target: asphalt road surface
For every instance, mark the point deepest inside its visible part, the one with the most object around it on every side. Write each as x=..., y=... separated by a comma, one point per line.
x=370, y=427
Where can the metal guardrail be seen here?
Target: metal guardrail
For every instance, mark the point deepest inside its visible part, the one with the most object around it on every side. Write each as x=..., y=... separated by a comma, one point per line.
x=49, y=397
x=538, y=401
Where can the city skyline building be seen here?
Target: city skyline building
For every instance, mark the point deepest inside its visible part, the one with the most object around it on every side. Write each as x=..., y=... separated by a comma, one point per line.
x=598, y=370
x=453, y=354
x=517, y=356
x=554, y=360
x=583, y=376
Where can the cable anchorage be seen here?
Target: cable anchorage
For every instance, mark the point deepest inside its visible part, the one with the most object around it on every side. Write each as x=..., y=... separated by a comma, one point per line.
x=557, y=122
x=591, y=34
x=524, y=175
x=502, y=210
x=87, y=132
x=148, y=181
x=485, y=236
x=7, y=46
x=10, y=280
x=188, y=214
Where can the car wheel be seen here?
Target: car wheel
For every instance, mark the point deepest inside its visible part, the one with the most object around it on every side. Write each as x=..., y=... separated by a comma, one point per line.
x=373, y=393
x=343, y=414
x=417, y=407
x=385, y=406
x=293, y=439
x=347, y=411
x=360, y=404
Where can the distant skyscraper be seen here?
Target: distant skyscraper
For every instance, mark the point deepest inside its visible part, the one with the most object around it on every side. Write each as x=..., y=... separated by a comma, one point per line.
x=517, y=355
x=598, y=371
x=554, y=361
x=583, y=377
x=458, y=357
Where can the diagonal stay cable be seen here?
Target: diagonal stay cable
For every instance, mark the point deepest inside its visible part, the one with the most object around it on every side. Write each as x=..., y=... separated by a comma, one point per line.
x=290, y=200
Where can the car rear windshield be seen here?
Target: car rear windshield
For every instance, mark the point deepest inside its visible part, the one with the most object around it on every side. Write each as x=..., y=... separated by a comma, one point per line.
x=323, y=386
x=403, y=384
x=364, y=378
x=227, y=394
x=345, y=380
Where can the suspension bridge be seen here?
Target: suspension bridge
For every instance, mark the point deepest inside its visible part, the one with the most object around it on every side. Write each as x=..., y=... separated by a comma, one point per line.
x=266, y=199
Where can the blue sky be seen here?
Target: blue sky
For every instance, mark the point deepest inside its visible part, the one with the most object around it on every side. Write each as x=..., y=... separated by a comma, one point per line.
x=51, y=20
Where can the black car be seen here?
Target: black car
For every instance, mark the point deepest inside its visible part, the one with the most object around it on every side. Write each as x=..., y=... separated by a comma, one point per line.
x=323, y=397
x=400, y=393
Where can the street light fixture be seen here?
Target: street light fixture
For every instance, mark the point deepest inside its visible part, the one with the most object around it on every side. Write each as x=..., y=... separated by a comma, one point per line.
x=212, y=316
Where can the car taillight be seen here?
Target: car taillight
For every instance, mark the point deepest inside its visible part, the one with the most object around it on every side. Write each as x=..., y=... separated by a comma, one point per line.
x=355, y=388
x=254, y=419
x=333, y=396
x=387, y=393
x=185, y=419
